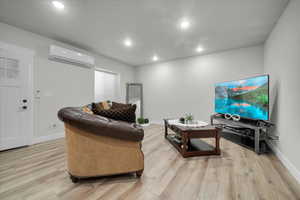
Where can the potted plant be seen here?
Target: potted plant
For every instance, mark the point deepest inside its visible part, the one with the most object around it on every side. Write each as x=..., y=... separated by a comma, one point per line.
x=143, y=121
x=189, y=118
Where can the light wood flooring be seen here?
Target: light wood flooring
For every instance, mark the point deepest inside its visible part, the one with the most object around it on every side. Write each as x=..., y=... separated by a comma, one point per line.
x=39, y=172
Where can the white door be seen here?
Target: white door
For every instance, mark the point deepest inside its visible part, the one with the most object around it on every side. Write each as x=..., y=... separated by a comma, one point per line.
x=106, y=86
x=15, y=98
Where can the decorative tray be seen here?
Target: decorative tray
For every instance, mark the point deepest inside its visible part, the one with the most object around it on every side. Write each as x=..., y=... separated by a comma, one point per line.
x=195, y=123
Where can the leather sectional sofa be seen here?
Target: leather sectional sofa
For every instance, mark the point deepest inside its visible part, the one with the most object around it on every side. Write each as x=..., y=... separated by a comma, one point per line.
x=99, y=146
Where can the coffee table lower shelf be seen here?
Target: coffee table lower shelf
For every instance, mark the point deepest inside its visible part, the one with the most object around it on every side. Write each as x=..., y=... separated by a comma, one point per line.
x=195, y=147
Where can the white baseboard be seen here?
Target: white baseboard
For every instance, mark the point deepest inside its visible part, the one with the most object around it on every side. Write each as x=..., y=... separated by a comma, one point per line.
x=48, y=137
x=285, y=161
x=157, y=122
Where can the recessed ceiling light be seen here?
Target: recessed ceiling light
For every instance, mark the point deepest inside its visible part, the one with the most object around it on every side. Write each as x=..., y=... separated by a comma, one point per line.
x=127, y=42
x=199, y=49
x=155, y=58
x=184, y=24
x=59, y=5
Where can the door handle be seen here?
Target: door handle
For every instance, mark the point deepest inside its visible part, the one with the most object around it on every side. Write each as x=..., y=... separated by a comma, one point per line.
x=24, y=100
x=24, y=107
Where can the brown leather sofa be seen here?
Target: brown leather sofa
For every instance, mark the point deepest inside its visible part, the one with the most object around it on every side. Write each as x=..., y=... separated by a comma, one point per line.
x=98, y=146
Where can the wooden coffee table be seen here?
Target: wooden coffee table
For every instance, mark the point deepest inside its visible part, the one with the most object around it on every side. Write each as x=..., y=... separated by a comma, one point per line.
x=189, y=143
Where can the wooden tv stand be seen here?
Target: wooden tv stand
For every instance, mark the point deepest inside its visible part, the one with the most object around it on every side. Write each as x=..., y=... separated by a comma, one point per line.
x=260, y=129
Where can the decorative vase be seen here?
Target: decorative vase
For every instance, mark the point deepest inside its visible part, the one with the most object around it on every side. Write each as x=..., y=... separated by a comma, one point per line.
x=181, y=120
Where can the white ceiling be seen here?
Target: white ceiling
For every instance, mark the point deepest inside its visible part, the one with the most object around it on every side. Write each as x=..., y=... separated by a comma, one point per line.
x=101, y=25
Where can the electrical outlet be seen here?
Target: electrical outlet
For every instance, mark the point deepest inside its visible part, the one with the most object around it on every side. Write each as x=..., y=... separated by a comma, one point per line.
x=53, y=126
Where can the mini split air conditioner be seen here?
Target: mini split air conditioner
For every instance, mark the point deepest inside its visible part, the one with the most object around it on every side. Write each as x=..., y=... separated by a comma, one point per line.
x=64, y=55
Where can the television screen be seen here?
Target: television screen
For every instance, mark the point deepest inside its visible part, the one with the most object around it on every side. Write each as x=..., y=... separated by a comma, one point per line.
x=248, y=98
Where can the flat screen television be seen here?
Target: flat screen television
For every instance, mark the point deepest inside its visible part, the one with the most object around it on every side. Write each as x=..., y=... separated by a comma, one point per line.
x=248, y=98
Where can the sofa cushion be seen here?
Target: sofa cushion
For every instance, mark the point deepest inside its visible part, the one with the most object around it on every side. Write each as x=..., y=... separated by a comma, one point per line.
x=116, y=105
x=86, y=109
x=126, y=114
x=105, y=105
x=102, y=105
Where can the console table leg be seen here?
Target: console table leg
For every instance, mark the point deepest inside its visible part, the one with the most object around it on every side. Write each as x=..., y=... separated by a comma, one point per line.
x=166, y=128
x=257, y=139
x=218, y=142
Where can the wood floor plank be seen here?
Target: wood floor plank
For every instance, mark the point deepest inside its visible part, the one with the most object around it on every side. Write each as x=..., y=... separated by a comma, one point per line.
x=39, y=172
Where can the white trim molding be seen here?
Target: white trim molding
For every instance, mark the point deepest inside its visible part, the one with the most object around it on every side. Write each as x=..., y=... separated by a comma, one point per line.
x=46, y=138
x=285, y=161
x=157, y=122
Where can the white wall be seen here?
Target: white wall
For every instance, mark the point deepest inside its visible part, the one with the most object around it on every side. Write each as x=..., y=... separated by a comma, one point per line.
x=282, y=62
x=60, y=84
x=174, y=88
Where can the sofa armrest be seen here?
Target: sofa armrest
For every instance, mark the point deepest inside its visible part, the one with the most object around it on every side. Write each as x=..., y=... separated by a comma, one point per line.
x=100, y=125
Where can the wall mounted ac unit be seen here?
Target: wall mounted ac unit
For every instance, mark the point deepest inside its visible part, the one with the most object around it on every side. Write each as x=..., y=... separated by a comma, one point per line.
x=69, y=56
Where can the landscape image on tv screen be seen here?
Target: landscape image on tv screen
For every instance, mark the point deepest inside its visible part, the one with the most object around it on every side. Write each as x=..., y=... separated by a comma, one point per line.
x=248, y=98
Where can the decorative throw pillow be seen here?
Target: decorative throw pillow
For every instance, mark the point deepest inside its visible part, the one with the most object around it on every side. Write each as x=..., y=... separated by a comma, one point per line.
x=126, y=114
x=105, y=105
x=87, y=110
x=97, y=106
x=115, y=105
